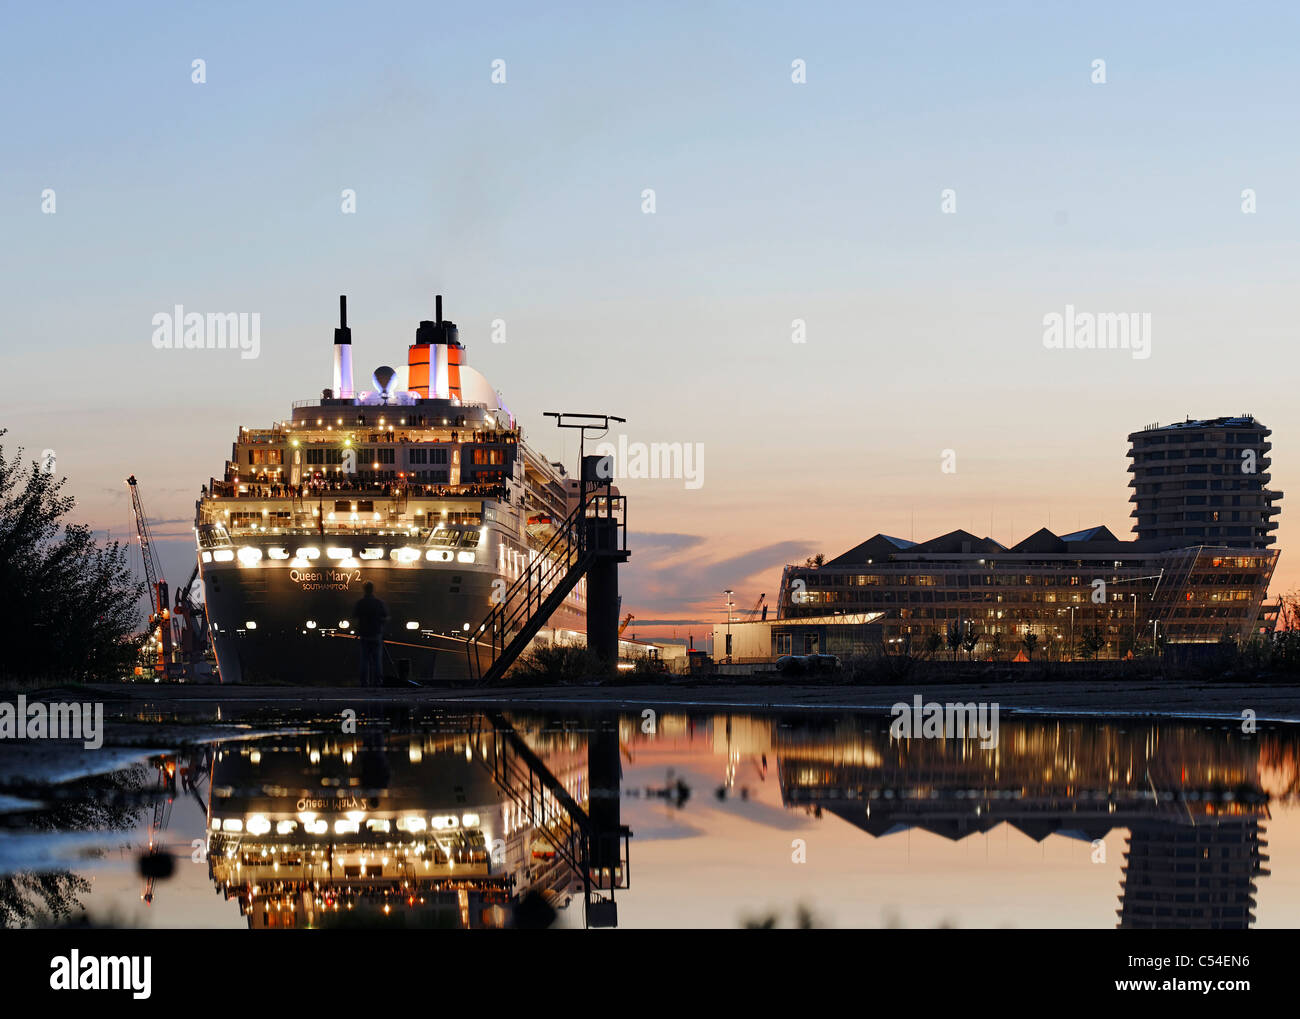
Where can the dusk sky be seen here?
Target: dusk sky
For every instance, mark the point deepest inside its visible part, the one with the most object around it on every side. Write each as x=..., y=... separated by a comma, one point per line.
x=775, y=201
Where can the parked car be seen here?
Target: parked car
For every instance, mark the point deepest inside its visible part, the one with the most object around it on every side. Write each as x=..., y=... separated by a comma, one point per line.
x=797, y=665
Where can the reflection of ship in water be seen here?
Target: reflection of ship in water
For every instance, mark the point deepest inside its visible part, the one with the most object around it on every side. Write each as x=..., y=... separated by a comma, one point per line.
x=431, y=829
x=1194, y=807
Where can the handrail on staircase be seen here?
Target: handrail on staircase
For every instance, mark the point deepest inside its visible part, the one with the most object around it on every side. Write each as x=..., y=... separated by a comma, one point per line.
x=558, y=565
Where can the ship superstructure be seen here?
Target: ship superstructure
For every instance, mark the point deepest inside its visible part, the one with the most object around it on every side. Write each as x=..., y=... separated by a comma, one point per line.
x=421, y=484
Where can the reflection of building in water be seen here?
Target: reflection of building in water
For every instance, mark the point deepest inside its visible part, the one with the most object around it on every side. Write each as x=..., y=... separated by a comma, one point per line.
x=1192, y=876
x=440, y=829
x=1193, y=805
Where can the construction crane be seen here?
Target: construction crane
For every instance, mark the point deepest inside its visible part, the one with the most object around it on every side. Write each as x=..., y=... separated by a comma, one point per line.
x=159, y=612
x=758, y=608
x=623, y=625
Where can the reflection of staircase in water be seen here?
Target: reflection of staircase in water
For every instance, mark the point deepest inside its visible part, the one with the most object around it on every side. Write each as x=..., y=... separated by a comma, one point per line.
x=594, y=845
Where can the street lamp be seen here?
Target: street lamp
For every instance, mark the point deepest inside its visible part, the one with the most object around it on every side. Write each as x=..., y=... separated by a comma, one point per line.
x=1135, y=623
x=730, y=603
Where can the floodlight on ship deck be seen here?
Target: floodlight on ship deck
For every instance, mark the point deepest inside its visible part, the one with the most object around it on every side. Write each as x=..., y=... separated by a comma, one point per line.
x=258, y=824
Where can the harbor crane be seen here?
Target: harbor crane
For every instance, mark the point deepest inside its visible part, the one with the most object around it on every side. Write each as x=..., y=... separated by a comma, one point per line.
x=181, y=627
x=193, y=625
x=159, y=611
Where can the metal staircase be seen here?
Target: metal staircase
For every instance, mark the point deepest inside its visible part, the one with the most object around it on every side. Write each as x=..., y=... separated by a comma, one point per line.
x=596, y=528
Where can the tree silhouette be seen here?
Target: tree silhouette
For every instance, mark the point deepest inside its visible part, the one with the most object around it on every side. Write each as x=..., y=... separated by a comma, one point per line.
x=1090, y=642
x=69, y=607
x=953, y=637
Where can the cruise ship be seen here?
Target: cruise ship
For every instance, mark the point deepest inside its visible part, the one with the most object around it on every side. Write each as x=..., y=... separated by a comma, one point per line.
x=421, y=483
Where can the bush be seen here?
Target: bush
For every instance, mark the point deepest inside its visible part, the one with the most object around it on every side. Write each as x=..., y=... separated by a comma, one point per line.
x=549, y=664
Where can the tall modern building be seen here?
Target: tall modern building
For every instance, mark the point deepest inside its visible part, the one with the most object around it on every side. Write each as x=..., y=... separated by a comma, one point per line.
x=1204, y=482
x=1197, y=573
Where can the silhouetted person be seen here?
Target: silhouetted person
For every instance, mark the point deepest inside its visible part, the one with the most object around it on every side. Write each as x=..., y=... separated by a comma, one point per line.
x=369, y=615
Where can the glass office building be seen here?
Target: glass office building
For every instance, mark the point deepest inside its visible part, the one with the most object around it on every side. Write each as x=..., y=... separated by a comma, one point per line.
x=1188, y=578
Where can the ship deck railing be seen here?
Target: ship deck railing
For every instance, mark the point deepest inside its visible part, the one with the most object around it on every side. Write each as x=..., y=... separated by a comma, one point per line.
x=339, y=403
x=418, y=490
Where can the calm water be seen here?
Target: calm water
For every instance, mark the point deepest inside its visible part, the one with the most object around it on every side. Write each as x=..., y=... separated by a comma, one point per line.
x=428, y=818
